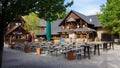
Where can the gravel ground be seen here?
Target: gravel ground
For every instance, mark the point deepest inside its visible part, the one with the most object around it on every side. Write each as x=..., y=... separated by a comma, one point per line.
x=19, y=59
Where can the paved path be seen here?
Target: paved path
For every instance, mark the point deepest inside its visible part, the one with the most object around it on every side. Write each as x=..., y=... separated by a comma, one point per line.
x=19, y=59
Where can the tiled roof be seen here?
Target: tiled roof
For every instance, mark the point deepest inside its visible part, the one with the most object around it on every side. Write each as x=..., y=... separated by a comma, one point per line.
x=94, y=20
x=42, y=22
x=54, y=27
x=85, y=18
x=41, y=32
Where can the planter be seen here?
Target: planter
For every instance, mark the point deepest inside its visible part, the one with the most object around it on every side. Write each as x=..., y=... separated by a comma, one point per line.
x=38, y=51
x=70, y=55
x=26, y=49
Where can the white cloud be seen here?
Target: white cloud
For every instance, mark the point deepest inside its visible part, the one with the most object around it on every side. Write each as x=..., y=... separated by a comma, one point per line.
x=87, y=7
x=82, y=1
x=91, y=12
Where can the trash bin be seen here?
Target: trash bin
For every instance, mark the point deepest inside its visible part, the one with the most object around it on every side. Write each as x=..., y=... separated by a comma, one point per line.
x=70, y=55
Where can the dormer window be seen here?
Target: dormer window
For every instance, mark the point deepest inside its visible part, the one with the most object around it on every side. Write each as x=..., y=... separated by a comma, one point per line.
x=90, y=19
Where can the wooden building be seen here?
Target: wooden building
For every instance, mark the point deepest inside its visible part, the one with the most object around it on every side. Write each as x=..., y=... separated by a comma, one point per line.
x=77, y=26
x=16, y=31
x=74, y=24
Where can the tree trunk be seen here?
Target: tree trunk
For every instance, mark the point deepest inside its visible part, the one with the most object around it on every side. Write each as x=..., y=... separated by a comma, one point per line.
x=2, y=29
x=1, y=45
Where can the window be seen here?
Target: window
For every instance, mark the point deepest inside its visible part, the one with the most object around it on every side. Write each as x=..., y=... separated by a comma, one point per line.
x=90, y=19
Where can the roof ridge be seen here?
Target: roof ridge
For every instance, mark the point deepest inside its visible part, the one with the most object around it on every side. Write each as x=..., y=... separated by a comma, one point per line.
x=84, y=17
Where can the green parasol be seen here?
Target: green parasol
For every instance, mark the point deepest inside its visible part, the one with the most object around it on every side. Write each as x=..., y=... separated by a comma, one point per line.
x=48, y=29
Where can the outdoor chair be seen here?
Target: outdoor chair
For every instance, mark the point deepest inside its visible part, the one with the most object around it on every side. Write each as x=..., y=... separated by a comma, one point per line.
x=32, y=48
x=20, y=46
x=78, y=54
x=51, y=50
x=110, y=45
x=64, y=52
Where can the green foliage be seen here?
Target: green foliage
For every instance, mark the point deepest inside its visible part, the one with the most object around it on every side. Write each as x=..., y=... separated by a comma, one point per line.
x=110, y=17
x=32, y=21
x=52, y=9
x=44, y=8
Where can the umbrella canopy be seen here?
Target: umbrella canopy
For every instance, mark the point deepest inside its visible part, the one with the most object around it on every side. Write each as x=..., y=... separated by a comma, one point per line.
x=86, y=29
x=48, y=29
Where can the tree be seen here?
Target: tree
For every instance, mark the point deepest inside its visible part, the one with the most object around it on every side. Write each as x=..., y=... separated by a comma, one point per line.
x=52, y=9
x=110, y=16
x=10, y=9
x=31, y=21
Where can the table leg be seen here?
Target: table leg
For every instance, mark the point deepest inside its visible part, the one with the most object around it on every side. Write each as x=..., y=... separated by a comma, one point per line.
x=98, y=46
x=95, y=49
x=88, y=51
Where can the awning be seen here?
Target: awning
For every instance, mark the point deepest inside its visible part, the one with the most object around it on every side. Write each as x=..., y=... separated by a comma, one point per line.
x=86, y=29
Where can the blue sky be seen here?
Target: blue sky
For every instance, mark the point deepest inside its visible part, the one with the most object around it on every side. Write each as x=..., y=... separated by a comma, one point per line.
x=86, y=7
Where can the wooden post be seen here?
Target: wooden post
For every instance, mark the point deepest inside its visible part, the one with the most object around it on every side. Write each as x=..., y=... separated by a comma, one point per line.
x=2, y=28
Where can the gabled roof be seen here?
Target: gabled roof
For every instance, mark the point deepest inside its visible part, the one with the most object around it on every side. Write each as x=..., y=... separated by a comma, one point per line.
x=92, y=19
x=85, y=18
x=15, y=28
x=18, y=20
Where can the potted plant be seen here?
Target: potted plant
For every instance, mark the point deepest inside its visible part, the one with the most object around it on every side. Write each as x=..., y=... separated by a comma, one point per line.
x=26, y=48
x=38, y=49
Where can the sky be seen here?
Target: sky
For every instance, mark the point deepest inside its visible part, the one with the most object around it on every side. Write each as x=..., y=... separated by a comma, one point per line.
x=86, y=7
